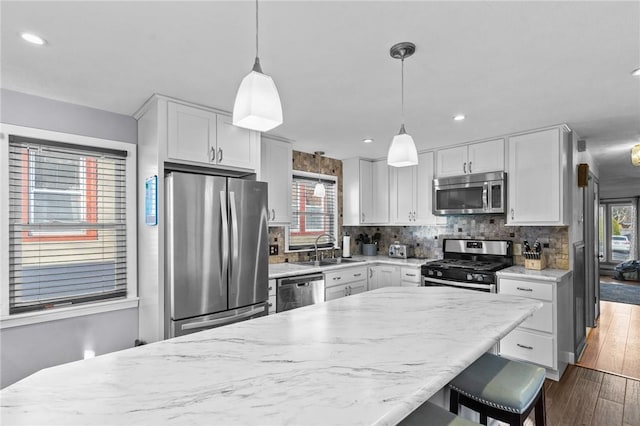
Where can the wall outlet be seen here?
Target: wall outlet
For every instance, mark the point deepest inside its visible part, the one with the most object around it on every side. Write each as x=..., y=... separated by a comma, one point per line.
x=517, y=249
x=273, y=249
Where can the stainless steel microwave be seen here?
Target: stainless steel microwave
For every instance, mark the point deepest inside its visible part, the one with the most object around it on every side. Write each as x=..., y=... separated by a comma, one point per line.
x=470, y=194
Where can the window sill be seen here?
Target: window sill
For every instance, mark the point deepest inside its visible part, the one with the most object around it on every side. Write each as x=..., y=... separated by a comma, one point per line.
x=28, y=318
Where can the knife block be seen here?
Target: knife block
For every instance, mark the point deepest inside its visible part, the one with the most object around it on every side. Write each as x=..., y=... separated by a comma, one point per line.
x=536, y=264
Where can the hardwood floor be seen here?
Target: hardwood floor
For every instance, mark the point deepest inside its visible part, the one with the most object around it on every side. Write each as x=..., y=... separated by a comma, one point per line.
x=592, y=398
x=614, y=345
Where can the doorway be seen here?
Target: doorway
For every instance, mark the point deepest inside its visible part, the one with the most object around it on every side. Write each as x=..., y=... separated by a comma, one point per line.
x=618, y=229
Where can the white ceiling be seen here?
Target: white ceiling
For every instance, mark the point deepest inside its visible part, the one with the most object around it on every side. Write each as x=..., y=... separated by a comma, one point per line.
x=508, y=66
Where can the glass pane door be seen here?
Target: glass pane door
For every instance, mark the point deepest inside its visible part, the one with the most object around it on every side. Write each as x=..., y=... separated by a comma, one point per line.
x=621, y=230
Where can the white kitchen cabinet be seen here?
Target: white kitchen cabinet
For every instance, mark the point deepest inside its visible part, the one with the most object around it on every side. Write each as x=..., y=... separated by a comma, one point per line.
x=544, y=337
x=537, y=178
x=412, y=192
x=203, y=136
x=383, y=276
x=410, y=276
x=344, y=290
x=365, y=192
x=237, y=147
x=477, y=157
x=272, y=297
x=275, y=169
x=345, y=282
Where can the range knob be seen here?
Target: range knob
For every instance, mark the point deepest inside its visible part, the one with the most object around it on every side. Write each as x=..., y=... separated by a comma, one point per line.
x=438, y=273
x=469, y=277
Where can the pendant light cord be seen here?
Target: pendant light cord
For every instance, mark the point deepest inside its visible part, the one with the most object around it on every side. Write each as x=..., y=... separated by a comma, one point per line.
x=257, y=28
x=402, y=90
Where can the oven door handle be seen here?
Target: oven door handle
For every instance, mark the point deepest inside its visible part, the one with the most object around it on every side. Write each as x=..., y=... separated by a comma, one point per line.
x=485, y=196
x=490, y=288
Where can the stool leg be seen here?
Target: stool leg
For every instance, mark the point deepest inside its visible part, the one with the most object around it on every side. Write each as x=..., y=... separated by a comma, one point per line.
x=540, y=411
x=453, y=401
x=483, y=416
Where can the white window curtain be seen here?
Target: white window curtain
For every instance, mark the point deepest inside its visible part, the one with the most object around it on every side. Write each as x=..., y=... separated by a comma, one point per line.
x=67, y=224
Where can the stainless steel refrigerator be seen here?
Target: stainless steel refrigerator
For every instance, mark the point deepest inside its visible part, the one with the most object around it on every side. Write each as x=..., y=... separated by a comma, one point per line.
x=216, y=251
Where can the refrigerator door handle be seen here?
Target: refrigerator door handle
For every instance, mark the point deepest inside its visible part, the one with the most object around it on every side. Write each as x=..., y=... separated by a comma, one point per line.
x=223, y=320
x=225, y=233
x=234, y=227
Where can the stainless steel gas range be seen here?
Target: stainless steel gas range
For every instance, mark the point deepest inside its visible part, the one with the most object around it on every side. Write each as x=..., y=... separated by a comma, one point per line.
x=470, y=264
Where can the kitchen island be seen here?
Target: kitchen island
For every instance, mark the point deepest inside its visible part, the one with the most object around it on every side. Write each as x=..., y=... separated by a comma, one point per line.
x=371, y=358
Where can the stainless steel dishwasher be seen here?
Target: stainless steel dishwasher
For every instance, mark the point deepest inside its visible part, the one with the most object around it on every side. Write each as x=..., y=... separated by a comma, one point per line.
x=301, y=290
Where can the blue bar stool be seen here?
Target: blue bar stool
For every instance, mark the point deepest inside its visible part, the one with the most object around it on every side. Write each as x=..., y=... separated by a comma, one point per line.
x=429, y=414
x=502, y=389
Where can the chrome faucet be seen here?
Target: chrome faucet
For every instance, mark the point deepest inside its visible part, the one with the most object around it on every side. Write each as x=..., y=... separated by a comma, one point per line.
x=317, y=261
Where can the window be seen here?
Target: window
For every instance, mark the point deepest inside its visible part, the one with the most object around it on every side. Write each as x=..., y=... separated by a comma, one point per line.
x=67, y=224
x=312, y=216
x=618, y=231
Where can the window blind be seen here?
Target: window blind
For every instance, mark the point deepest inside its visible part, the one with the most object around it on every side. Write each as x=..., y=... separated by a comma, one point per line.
x=312, y=216
x=67, y=224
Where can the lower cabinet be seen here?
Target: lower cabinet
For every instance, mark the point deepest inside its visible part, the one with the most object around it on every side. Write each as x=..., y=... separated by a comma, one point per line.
x=410, y=276
x=543, y=338
x=383, y=276
x=272, y=297
x=345, y=282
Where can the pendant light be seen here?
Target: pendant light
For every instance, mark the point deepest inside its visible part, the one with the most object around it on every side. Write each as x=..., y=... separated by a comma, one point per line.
x=257, y=105
x=402, y=152
x=635, y=155
x=319, y=190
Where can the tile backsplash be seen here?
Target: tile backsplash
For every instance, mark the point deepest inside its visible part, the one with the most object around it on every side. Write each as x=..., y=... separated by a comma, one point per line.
x=427, y=240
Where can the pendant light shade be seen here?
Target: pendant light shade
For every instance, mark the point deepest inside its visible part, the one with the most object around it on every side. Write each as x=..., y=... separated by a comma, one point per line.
x=257, y=105
x=402, y=152
x=635, y=155
x=319, y=190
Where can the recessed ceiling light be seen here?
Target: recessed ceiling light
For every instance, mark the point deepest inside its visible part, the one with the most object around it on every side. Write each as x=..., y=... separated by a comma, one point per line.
x=367, y=140
x=459, y=117
x=32, y=38
x=636, y=72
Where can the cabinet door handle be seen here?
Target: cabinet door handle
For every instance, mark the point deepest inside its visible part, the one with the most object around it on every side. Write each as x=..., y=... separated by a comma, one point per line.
x=273, y=214
x=410, y=275
x=270, y=288
x=357, y=275
x=464, y=167
x=219, y=155
x=524, y=289
x=524, y=346
x=363, y=217
x=349, y=287
x=337, y=278
x=370, y=273
x=212, y=153
x=512, y=212
x=470, y=167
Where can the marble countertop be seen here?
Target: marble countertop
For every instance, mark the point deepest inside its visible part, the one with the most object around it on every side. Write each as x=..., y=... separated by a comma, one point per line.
x=370, y=358
x=555, y=275
x=279, y=270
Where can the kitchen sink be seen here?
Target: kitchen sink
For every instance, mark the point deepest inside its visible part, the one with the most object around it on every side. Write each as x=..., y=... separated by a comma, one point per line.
x=329, y=262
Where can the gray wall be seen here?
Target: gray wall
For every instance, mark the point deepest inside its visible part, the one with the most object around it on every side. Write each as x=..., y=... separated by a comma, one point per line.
x=27, y=349
x=21, y=109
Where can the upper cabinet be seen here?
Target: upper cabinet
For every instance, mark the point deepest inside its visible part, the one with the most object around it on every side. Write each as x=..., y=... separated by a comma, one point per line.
x=411, y=193
x=365, y=192
x=203, y=136
x=478, y=157
x=537, y=177
x=275, y=169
